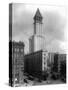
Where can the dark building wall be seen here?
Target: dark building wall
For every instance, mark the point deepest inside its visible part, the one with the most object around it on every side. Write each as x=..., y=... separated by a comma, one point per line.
x=33, y=63
x=10, y=63
x=62, y=66
x=54, y=61
x=55, y=64
x=10, y=44
x=36, y=63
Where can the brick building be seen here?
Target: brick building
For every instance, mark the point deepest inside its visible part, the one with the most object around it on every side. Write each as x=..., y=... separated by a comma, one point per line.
x=16, y=62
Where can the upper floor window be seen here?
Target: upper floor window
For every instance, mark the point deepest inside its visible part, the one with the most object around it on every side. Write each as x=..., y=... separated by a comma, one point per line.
x=17, y=49
x=44, y=58
x=21, y=50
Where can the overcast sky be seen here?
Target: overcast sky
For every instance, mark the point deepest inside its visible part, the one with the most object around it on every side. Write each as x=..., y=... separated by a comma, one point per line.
x=54, y=25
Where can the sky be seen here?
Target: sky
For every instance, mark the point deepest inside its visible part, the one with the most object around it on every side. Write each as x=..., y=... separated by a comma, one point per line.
x=54, y=25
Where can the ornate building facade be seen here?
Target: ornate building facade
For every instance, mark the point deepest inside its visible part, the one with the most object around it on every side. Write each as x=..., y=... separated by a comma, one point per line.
x=16, y=62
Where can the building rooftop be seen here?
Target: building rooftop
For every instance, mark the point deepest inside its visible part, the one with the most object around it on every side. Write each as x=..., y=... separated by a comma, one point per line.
x=15, y=43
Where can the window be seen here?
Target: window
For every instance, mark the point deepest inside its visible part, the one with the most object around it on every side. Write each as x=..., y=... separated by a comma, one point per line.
x=21, y=50
x=44, y=68
x=44, y=54
x=15, y=55
x=44, y=58
x=44, y=62
x=17, y=49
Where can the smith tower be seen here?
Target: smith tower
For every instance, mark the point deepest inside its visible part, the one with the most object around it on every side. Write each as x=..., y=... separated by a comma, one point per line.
x=37, y=40
x=38, y=23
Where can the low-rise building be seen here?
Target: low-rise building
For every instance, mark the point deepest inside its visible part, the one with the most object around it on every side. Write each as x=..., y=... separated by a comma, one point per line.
x=58, y=64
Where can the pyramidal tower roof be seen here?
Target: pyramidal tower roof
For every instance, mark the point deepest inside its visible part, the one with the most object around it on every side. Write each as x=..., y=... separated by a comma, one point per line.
x=38, y=14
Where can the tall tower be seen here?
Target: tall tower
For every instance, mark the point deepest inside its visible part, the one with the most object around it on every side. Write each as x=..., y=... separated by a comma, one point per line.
x=38, y=23
x=36, y=41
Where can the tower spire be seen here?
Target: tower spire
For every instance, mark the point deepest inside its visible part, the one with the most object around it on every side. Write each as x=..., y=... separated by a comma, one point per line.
x=38, y=17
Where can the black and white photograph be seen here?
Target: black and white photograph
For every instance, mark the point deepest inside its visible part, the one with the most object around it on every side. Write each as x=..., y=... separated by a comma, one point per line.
x=37, y=44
